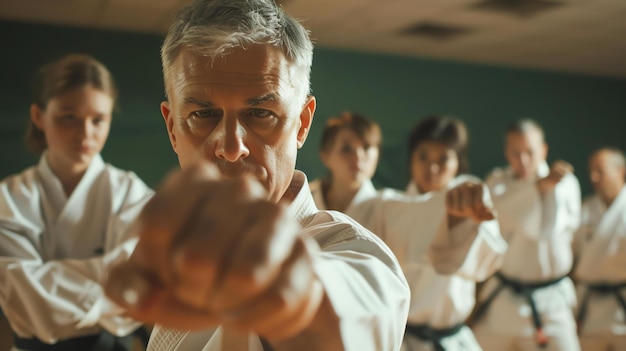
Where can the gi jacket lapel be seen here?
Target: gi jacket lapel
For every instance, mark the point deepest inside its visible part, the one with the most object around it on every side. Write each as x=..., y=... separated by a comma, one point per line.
x=81, y=223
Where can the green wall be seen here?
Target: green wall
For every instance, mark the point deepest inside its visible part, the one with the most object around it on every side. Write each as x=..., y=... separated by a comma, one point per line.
x=579, y=113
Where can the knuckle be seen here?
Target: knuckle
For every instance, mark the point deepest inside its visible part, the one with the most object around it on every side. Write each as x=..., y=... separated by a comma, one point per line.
x=256, y=256
x=280, y=298
x=247, y=279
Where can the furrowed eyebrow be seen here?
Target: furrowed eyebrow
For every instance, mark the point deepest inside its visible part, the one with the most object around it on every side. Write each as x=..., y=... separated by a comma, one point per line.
x=259, y=100
x=194, y=101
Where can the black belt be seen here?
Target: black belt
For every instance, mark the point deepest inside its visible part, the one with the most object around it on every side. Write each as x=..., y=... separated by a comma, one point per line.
x=525, y=289
x=426, y=333
x=103, y=341
x=600, y=289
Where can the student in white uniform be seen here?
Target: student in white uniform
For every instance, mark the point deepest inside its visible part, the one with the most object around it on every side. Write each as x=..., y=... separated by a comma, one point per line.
x=349, y=149
x=233, y=254
x=443, y=233
x=63, y=220
x=600, y=250
x=528, y=304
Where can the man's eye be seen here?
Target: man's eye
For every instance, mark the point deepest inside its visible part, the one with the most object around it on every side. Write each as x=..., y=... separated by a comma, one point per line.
x=207, y=113
x=260, y=113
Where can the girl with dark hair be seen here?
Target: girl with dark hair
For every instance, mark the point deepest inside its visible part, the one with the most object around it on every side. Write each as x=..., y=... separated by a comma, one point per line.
x=437, y=153
x=63, y=220
x=443, y=232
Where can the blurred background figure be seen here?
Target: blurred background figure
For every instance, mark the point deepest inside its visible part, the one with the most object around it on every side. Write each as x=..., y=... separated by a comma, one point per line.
x=349, y=149
x=437, y=154
x=443, y=233
x=528, y=304
x=64, y=220
x=600, y=250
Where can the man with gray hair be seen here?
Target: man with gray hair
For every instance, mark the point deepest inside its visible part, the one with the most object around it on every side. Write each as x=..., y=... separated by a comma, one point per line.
x=600, y=249
x=232, y=252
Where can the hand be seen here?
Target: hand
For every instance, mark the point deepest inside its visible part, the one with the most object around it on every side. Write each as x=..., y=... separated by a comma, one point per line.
x=470, y=200
x=212, y=251
x=558, y=170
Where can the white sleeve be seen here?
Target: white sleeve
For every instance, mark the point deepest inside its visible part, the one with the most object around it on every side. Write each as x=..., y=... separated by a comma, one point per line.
x=584, y=231
x=474, y=251
x=368, y=292
x=517, y=203
x=561, y=210
x=370, y=214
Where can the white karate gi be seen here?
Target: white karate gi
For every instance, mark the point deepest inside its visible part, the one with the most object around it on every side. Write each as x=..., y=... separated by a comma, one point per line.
x=54, y=249
x=442, y=266
x=366, y=191
x=539, y=232
x=362, y=278
x=600, y=248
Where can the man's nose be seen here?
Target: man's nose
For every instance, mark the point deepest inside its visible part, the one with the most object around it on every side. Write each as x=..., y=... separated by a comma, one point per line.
x=229, y=138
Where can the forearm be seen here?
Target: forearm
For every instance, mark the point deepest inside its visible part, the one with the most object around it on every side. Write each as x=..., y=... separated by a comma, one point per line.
x=560, y=216
x=486, y=254
x=451, y=245
x=469, y=249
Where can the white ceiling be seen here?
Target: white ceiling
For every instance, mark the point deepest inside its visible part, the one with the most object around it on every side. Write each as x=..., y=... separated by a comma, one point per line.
x=582, y=36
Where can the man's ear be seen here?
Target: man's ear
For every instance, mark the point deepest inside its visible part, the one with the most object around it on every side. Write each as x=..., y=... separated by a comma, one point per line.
x=306, y=119
x=36, y=116
x=545, y=150
x=169, y=122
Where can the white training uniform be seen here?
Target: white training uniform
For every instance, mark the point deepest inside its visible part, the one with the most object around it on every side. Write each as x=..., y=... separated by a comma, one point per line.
x=54, y=249
x=361, y=277
x=442, y=266
x=539, y=231
x=366, y=191
x=600, y=248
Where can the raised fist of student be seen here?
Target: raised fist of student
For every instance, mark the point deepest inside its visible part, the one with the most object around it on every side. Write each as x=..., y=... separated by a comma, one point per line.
x=558, y=171
x=470, y=200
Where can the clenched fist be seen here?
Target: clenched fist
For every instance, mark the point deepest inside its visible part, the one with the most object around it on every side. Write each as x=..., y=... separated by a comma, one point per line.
x=558, y=171
x=470, y=200
x=213, y=251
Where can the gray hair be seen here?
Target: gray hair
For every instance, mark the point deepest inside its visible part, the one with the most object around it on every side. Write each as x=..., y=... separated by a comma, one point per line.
x=523, y=126
x=212, y=28
x=618, y=158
